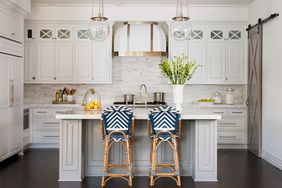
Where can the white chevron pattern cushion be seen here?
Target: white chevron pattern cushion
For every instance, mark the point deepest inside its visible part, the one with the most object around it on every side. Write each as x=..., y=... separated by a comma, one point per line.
x=164, y=118
x=117, y=118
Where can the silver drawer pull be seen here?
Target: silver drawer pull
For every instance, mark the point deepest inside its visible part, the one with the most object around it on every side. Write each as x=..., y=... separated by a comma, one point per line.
x=218, y=112
x=237, y=112
x=51, y=123
x=227, y=136
x=51, y=136
x=60, y=112
x=227, y=123
x=42, y=112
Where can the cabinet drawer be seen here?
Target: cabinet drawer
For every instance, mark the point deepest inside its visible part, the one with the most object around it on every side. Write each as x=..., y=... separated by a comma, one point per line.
x=237, y=124
x=46, y=136
x=42, y=112
x=237, y=113
x=221, y=112
x=59, y=111
x=231, y=137
x=46, y=123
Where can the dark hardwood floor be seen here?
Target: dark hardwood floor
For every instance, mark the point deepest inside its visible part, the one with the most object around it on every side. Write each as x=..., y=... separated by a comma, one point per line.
x=236, y=169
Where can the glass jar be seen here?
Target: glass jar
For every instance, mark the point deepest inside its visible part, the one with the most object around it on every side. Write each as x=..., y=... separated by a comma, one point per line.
x=217, y=98
x=92, y=100
x=230, y=97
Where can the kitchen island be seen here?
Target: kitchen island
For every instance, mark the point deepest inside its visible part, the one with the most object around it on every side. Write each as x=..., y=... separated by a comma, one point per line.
x=81, y=145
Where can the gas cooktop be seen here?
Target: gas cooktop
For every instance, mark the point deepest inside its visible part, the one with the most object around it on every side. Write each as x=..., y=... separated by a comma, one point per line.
x=141, y=105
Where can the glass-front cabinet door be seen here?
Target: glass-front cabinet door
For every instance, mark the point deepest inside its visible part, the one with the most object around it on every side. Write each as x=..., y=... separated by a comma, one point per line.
x=46, y=33
x=64, y=33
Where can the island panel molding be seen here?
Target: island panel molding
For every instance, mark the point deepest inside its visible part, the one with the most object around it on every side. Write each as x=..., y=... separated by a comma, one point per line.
x=81, y=147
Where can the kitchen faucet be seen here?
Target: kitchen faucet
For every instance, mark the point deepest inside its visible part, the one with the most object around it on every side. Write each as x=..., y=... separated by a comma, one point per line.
x=146, y=93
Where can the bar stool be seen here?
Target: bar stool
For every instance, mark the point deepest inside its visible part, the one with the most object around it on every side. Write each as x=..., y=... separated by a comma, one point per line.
x=117, y=127
x=164, y=126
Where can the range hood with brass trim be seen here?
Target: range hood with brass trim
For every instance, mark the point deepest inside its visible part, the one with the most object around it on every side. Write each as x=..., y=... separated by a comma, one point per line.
x=135, y=39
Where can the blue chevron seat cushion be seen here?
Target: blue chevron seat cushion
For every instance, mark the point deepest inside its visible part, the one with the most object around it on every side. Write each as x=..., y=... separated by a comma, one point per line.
x=117, y=118
x=117, y=137
x=164, y=118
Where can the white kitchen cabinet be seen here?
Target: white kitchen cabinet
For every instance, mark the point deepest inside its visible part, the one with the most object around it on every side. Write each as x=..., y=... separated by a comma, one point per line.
x=63, y=61
x=11, y=25
x=178, y=48
x=45, y=61
x=11, y=79
x=216, y=61
x=17, y=28
x=6, y=23
x=15, y=129
x=235, y=62
x=197, y=52
x=4, y=137
x=83, y=57
x=29, y=55
x=219, y=49
x=232, y=128
x=54, y=54
x=83, y=62
x=29, y=62
x=102, y=61
x=45, y=127
x=235, y=67
x=4, y=80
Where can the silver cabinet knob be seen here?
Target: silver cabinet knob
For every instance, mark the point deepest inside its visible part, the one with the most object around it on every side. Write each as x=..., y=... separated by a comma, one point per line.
x=55, y=78
x=92, y=78
x=33, y=78
x=13, y=34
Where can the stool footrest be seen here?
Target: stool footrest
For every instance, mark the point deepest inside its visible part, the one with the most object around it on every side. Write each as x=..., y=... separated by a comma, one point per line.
x=165, y=174
x=165, y=164
x=117, y=175
x=118, y=165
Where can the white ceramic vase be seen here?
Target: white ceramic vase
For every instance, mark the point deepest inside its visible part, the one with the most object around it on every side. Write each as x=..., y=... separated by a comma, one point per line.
x=178, y=96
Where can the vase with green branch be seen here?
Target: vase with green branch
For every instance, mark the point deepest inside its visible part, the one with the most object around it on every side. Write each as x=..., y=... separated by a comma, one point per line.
x=178, y=71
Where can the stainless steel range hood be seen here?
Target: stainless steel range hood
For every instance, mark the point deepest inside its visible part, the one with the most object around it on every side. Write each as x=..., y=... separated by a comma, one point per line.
x=140, y=39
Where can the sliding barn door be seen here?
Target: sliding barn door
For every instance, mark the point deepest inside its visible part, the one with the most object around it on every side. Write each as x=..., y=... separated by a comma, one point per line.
x=255, y=91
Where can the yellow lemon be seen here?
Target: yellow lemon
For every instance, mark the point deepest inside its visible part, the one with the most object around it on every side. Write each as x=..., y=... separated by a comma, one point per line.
x=87, y=107
x=92, y=105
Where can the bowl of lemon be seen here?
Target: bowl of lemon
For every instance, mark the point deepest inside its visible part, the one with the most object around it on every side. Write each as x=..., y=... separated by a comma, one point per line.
x=94, y=105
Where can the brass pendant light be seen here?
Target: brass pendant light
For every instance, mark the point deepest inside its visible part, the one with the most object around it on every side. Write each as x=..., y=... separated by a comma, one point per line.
x=180, y=27
x=99, y=26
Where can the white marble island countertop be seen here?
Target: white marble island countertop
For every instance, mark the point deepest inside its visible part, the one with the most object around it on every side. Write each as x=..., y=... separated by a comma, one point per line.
x=139, y=113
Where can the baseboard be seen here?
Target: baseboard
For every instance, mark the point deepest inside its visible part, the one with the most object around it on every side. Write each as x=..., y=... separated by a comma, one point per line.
x=43, y=146
x=231, y=146
x=272, y=159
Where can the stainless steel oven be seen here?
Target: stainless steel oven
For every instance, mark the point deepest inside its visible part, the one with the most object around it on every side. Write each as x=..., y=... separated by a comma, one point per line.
x=26, y=119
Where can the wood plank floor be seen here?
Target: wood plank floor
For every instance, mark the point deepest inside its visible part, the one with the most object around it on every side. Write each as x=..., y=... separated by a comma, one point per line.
x=39, y=169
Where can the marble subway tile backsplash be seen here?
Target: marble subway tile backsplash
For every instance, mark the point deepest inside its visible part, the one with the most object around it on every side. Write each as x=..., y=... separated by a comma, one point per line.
x=128, y=75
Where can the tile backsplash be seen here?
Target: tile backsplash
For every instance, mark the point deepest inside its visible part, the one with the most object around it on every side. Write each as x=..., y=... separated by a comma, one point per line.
x=128, y=75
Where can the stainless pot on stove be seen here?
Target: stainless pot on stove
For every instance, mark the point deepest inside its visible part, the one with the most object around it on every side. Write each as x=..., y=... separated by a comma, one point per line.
x=159, y=97
x=128, y=98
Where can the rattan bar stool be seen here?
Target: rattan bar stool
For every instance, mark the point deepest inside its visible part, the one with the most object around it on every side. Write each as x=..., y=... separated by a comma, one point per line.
x=164, y=126
x=117, y=127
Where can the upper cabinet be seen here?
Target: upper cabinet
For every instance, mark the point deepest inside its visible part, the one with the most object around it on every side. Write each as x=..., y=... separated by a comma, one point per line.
x=66, y=54
x=220, y=51
x=11, y=26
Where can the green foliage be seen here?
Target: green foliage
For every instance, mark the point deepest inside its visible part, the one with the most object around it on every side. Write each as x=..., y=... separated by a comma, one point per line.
x=178, y=70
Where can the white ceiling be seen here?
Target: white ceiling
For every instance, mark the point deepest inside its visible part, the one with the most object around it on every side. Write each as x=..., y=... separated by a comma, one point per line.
x=141, y=2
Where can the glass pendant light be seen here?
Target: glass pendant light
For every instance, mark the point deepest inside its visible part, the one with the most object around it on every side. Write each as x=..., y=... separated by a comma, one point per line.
x=99, y=26
x=180, y=27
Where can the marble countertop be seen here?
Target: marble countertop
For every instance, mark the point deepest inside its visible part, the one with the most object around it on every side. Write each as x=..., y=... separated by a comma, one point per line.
x=205, y=106
x=139, y=113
